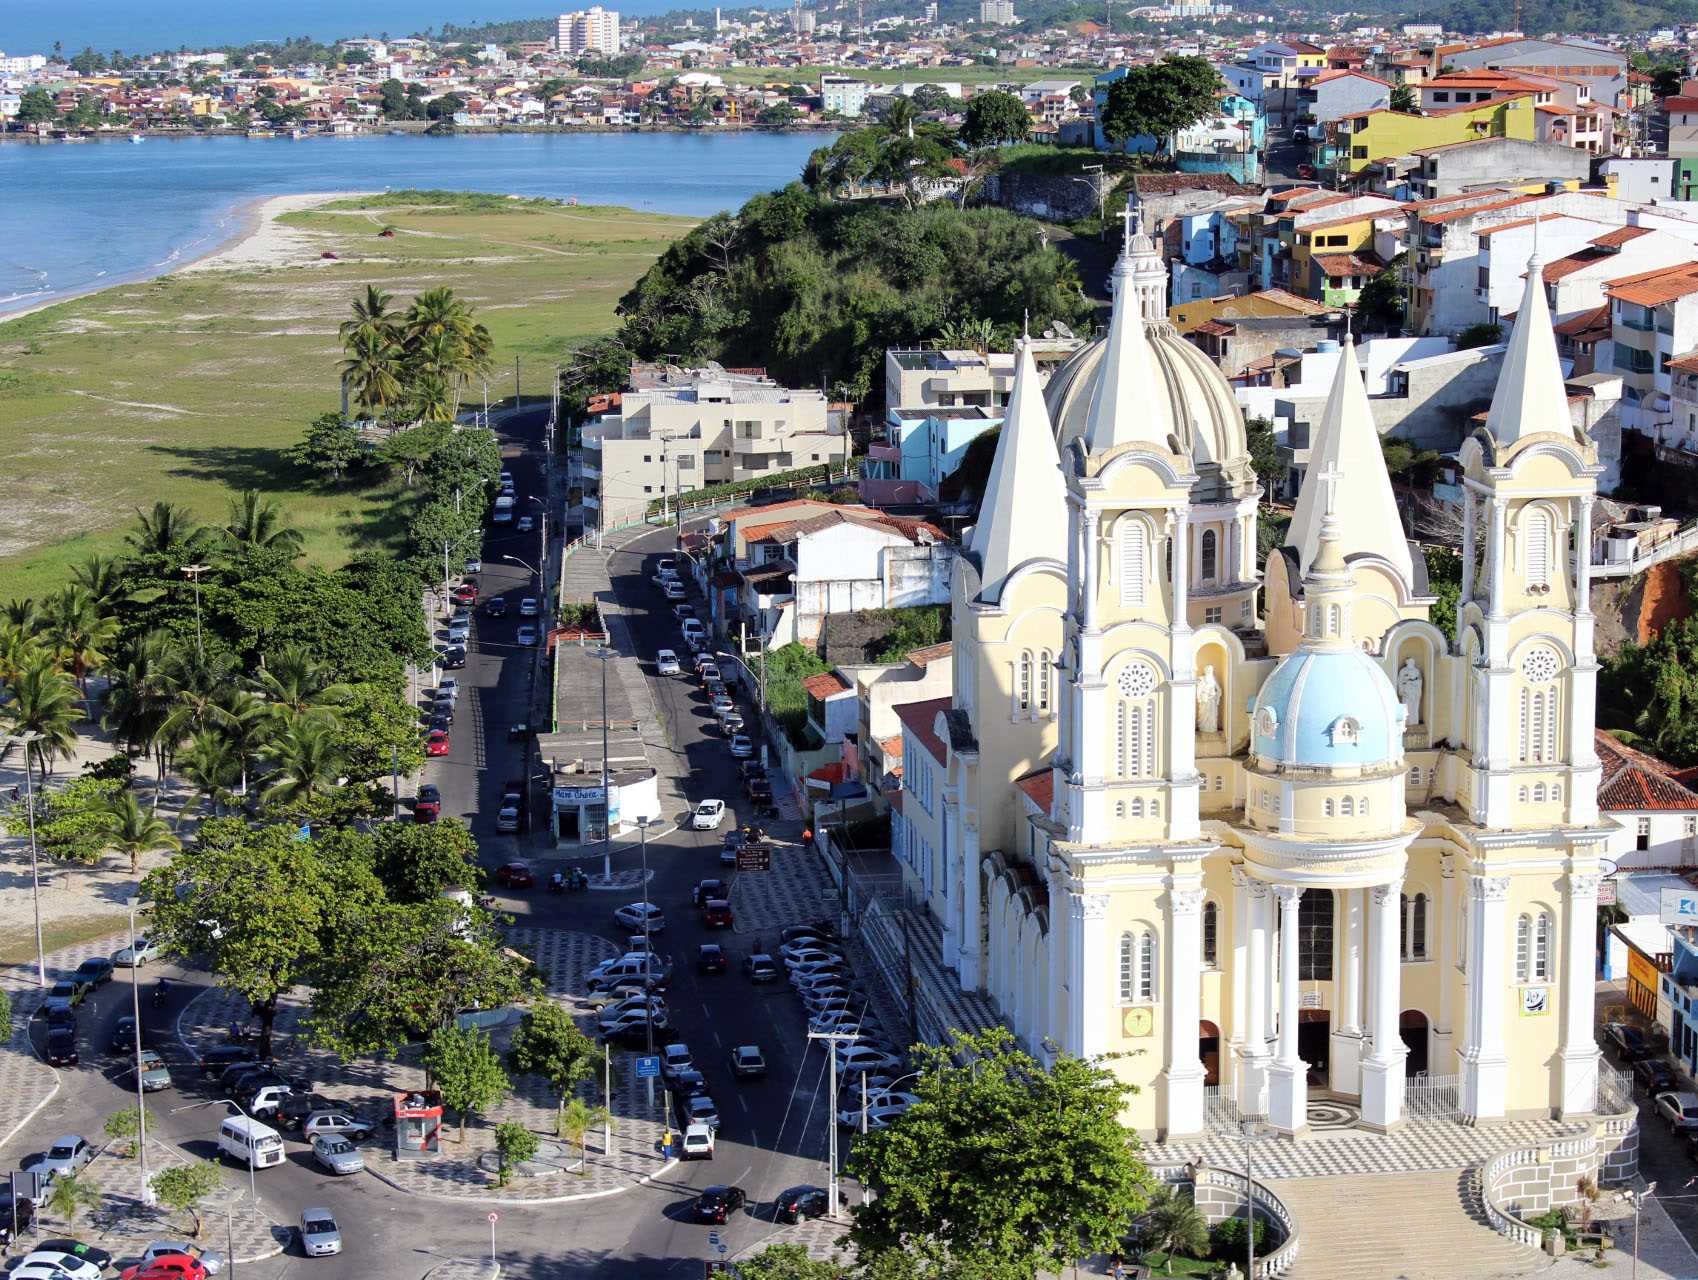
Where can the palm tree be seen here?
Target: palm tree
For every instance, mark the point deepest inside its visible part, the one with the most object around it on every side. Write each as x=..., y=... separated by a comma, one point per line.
x=433, y=397
x=899, y=117
x=247, y=724
x=167, y=531
x=305, y=758
x=133, y=830
x=25, y=615
x=295, y=684
x=371, y=370
x=104, y=579
x=210, y=765
x=18, y=649
x=260, y=524
x=196, y=687
x=1173, y=1224
x=70, y=1193
x=44, y=701
x=80, y=633
x=435, y=311
x=372, y=316
x=575, y=1121
x=140, y=699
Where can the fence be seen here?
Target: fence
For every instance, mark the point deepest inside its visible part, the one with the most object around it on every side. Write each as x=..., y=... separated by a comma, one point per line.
x=1615, y=1091
x=1432, y=1097
x=1220, y=1109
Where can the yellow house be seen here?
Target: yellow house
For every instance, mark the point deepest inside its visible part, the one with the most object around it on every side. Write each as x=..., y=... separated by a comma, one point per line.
x=1345, y=237
x=1357, y=141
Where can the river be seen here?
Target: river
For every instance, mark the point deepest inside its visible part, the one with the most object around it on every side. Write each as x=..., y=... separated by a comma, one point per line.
x=79, y=216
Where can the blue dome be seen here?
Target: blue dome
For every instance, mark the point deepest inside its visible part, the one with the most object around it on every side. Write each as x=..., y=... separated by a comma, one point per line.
x=1323, y=708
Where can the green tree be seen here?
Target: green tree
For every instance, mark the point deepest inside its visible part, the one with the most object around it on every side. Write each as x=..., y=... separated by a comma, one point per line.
x=994, y=118
x=1404, y=99
x=787, y=1262
x=37, y=107
x=1381, y=300
x=1485, y=334
x=514, y=1144
x=331, y=446
x=79, y=632
x=211, y=766
x=183, y=1186
x=467, y=1070
x=1665, y=81
x=574, y=1122
x=44, y=702
x=931, y=97
x=5, y=1016
x=1159, y=99
x=252, y=902
x=304, y=759
x=778, y=115
x=124, y=1126
x=168, y=533
x=258, y=523
x=549, y=1044
x=71, y=822
x=69, y=1194
x=1173, y=1224
x=1001, y=1168
x=416, y=862
x=371, y=370
x=409, y=450
x=1264, y=453
x=132, y=830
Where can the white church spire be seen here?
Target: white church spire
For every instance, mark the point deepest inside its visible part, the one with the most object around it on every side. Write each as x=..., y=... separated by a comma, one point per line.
x=1348, y=443
x=1131, y=404
x=1530, y=396
x=1024, y=513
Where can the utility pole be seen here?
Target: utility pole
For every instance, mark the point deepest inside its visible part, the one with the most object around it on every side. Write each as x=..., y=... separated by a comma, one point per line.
x=832, y=1038
x=394, y=783
x=605, y=654
x=515, y=382
x=447, y=593
x=141, y=1101
x=193, y=572
x=26, y=740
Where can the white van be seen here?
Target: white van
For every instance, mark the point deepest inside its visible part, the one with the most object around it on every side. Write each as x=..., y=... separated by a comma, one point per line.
x=693, y=629
x=250, y=1142
x=504, y=508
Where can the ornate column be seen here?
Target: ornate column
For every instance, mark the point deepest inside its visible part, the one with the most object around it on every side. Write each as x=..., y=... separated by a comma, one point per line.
x=1467, y=545
x=1088, y=974
x=1441, y=1061
x=1344, y=1068
x=1181, y=574
x=1382, y=1069
x=1579, y=1053
x=1240, y=972
x=1496, y=552
x=1185, y=1073
x=1583, y=554
x=973, y=934
x=1091, y=587
x=1288, y=1077
x=1253, y=1054
x=1485, y=1068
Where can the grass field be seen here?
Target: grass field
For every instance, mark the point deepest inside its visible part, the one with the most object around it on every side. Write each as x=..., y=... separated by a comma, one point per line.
x=190, y=387
x=907, y=75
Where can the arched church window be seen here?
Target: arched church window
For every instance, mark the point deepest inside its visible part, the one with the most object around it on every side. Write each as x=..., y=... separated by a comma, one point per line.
x=1542, y=947
x=1335, y=620
x=1155, y=808
x=1345, y=731
x=1045, y=678
x=1120, y=808
x=1136, y=730
x=1326, y=808
x=1521, y=795
x=1128, y=968
x=1539, y=793
x=1147, y=966
x=1414, y=935
x=1209, y=555
x=1536, y=540
x=1211, y=932
x=1137, y=808
x=1523, y=948
x=1023, y=684
x=1134, y=562
x=1347, y=807
x=1362, y=806
x=1556, y=791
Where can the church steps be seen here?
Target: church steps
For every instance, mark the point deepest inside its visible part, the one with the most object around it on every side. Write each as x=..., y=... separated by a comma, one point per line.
x=1408, y=1226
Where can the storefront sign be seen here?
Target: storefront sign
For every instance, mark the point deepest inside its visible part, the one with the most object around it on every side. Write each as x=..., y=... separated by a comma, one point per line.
x=1606, y=892
x=1643, y=978
x=567, y=797
x=1679, y=906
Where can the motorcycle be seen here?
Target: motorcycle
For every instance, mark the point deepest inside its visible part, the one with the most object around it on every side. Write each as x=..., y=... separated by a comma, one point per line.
x=557, y=883
x=577, y=880
x=160, y=993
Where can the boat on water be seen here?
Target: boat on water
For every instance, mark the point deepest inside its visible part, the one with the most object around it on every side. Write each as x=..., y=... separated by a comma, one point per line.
x=297, y=134
x=135, y=137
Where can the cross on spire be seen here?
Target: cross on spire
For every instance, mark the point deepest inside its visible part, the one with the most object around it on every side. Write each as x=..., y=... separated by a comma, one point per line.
x=1329, y=476
x=1128, y=217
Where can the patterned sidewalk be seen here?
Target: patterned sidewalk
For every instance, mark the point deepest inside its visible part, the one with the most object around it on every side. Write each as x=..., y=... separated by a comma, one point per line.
x=368, y=1086
x=797, y=889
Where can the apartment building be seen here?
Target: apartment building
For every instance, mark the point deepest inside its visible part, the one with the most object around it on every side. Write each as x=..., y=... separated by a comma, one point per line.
x=844, y=95
x=1455, y=168
x=997, y=12
x=1504, y=249
x=592, y=30
x=928, y=377
x=1602, y=69
x=681, y=429
x=1653, y=321
x=1356, y=141
x=1576, y=282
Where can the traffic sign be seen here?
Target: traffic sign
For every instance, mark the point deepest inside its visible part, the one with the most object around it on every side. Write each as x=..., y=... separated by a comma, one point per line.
x=754, y=858
x=494, y=1216
x=722, y=1249
x=713, y=1237
x=648, y=1068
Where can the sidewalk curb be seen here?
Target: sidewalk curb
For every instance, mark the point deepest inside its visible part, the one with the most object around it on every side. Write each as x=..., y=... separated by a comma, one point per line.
x=52, y=1093
x=488, y=1270
x=509, y=1202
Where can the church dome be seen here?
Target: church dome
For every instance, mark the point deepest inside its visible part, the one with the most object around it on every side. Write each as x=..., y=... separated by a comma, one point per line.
x=1328, y=708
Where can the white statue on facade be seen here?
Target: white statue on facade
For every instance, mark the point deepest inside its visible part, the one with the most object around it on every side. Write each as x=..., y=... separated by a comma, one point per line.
x=1409, y=683
x=1208, y=702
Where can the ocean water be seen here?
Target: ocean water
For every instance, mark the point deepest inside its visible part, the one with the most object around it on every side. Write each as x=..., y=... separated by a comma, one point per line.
x=75, y=217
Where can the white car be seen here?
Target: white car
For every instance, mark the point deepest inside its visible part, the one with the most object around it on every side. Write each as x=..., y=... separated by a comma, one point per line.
x=641, y=916
x=666, y=663
x=673, y=588
x=320, y=1236
x=742, y=748
x=474, y=565
x=459, y=631
x=838, y=1020
x=862, y=1057
x=722, y=703
x=1679, y=1109
x=67, y=1154
x=527, y=634
x=145, y=950
x=51, y=1262
x=698, y=1142
x=877, y=1117
x=449, y=688
x=525, y=525
x=708, y=815
x=528, y=607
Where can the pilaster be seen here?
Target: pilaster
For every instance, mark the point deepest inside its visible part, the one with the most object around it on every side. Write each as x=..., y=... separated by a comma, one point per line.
x=1185, y=1073
x=1344, y=1062
x=1383, y=1068
x=1288, y=1077
x=1579, y=1054
x=1485, y=1068
x=1089, y=974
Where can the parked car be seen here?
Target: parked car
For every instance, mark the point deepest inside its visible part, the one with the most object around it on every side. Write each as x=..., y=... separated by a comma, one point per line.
x=716, y=1204
x=436, y=742
x=526, y=634
x=339, y=1124
x=427, y=804
x=295, y=1109
x=211, y=1259
x=731, y=726
x=1658, y=1075
x=525, y=524
x=674, y=1058
x=1679, y=1109
x=452, y=658
x=706, y=889
x=711, y=958
x=640, y=917
x=528, y=606
x=474, y=564
x=698, y=1143
x=864, y=1057
x=818, y=931
x=1631, y=1041
x=93, y=973
x=672, y=589
x=877, y=1117
x=64, y=994
x=507, y=816
x=337, y=1155
x=266, y=1099
x=760, y=967
x=127, y=958
x=515, y=875
x=59, y=1047
x=796, y=1203
x=319, y=1234
x=60, y=1263
x=459, y=630
x=155, y=1076
x=167, y=1266
x=741, y=747
x=708, y=815
x=701, y=1109
x=65, y=1154
x=747, y=1062
x=217, y=1059
x=666, y=663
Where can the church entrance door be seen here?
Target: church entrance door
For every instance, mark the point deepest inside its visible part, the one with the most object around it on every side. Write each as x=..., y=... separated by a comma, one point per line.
x=1313, y=1043
x=1208, y=1051
x=1412, y=1026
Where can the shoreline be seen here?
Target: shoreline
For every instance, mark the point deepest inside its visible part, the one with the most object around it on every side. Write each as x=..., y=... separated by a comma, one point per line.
x=255, y=241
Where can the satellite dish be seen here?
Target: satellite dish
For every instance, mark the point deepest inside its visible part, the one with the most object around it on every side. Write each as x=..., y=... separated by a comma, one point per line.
x=1049, y=333
x=1063, y=330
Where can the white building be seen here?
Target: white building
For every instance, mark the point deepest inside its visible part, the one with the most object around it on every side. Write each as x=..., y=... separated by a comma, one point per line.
x=22, y=65
x=1657, y=814
x=998, y=12
x=845, y=95
x=592, y=30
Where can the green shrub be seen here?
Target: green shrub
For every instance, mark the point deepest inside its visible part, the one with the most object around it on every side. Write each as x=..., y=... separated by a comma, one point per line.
x=1226, y=1239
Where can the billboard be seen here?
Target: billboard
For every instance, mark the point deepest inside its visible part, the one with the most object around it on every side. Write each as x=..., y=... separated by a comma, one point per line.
x=1678, y=906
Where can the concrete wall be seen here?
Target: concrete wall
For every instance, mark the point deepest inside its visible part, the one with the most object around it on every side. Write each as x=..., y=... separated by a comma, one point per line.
x=1496, y=160
x=917, y=575
x=1056, y=197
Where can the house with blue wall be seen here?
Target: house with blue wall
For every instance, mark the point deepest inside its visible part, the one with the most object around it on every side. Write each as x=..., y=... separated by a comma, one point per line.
x=1229, y=141
x=1208, y=262
x=931, y=442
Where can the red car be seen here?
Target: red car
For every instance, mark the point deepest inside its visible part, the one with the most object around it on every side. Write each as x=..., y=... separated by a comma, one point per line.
x=437, y=743
x=515, y=875
x=465, y=593
x=167, y=1266
x=716, y=914
x=427, y=806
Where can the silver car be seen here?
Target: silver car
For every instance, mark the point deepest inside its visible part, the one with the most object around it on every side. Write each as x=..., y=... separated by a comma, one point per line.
x=337, y=1154
x=66, y=1154
x=145, y=950
x=154, y=1073
x=320, y=1236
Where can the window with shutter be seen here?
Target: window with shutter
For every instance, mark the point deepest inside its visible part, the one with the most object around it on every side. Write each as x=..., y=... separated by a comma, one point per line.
x=1134, y=562
x=1536, y=533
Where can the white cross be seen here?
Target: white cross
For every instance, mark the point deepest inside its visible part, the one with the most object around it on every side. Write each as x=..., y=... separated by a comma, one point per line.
x=1127, y=217
x=1329, y=476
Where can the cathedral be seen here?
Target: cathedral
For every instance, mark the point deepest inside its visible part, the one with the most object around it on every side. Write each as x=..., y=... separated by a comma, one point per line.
x=1261, y=830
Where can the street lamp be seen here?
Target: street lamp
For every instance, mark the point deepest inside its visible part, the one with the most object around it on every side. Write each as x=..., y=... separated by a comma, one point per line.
x=1637, y=1200
x=604, y=653
x=229, y=1204
x=1096, y=185
x=1253, y=1131
x=193, y=572
x=135, y=1010
x=27, y=739
x=648, y=945
x=525, y=565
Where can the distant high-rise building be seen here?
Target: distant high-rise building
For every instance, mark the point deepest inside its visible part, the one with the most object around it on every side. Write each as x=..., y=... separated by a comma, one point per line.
x=594, y=29
x=1000, y=12
x=931, y=12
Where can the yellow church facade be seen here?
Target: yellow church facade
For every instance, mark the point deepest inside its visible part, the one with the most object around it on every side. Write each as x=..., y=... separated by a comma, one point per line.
x=1261, y=830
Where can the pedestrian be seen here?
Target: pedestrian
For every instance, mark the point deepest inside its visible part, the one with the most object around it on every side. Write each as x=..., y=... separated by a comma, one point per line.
x=1116, y=1268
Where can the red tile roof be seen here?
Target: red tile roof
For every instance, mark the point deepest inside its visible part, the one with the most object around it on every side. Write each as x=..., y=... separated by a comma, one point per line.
x=828, y=684
x=1348, y=264
x=931, y=653
x=1595, y=322
x=1633, y=780
x=1039, y=788
x=1620, y=236
x=1678, y=282
x=1685, y=364
x=920, y=719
